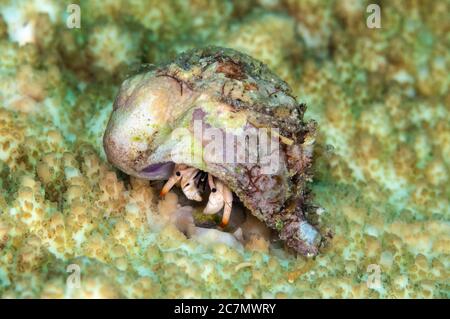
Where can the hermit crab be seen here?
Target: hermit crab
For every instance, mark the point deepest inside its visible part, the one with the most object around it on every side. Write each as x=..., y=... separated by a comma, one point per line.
x=226, y=130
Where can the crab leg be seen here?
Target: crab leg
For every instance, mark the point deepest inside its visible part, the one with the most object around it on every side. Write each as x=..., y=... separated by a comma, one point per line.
x=211, y=183
x=188, y=184
x=220, y=197
x=228, y=199
x=215, y=200
x=174, y=179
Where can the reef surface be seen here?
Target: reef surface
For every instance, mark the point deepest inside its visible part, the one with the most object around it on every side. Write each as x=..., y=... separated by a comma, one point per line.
x=381, y=171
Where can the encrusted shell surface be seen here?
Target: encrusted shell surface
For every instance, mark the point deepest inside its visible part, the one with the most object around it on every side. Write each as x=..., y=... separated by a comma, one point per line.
x=232, y=92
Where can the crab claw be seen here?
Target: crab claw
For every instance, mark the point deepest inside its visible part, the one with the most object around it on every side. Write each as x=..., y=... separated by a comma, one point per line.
x=188, y=184
x=175, y=178
x=215, y=200
x=169, y=184
x=228, y=199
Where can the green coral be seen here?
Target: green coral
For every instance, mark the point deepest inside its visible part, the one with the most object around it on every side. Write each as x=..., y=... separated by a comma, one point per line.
x=381, y=99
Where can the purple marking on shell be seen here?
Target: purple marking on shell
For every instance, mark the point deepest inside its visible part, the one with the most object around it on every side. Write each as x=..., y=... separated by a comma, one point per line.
x=158, y=171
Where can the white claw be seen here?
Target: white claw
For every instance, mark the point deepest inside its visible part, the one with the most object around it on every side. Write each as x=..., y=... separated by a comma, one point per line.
x=215, y=200
x=211, y=183
x=188, y=184
x=174, y=179
x=228, y=199
x=220, y=197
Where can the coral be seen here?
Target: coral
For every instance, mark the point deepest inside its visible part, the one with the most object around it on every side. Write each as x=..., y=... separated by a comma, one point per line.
x=381, y=99
x=270, y=38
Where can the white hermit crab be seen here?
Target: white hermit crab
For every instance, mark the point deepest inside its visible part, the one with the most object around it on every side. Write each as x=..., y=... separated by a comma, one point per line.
x=191, y=180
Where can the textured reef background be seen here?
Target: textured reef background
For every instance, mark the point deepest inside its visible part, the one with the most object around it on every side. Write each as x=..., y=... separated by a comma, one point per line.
x=382, y=170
